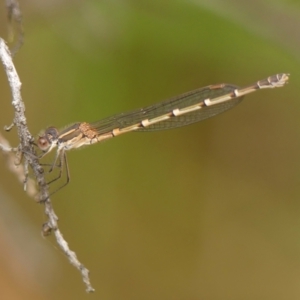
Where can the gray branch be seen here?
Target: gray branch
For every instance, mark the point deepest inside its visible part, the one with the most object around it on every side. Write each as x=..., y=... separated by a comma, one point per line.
x=26, y=151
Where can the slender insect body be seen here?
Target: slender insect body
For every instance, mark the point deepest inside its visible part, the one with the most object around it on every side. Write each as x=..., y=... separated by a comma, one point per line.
x=182, y=110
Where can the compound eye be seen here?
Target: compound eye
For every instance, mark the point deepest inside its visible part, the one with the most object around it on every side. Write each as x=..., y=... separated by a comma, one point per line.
x=47, y=138
x=43, y=143
x=51, y=134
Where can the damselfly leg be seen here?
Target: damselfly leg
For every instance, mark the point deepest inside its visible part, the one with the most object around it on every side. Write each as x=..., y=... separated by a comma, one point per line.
x=46, y=143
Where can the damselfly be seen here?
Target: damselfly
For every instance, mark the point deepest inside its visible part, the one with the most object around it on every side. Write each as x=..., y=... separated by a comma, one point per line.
x=182, y=110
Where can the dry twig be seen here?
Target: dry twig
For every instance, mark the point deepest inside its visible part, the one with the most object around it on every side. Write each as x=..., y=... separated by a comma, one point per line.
x=27, y=150
x=14, y=17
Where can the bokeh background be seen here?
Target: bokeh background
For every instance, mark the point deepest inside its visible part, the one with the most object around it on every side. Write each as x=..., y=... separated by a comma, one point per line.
x=208, y=211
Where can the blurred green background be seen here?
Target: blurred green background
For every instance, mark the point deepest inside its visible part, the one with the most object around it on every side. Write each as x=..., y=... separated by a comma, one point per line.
x=208, y=211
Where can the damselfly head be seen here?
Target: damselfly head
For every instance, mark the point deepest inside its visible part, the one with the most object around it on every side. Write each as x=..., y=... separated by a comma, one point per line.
x=47, y=138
